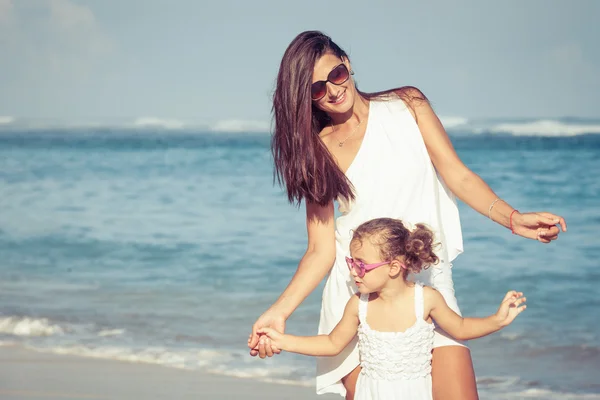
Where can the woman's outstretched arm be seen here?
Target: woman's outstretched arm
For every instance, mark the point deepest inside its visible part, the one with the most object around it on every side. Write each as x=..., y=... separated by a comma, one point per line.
x=314, y=265
x=468, y=186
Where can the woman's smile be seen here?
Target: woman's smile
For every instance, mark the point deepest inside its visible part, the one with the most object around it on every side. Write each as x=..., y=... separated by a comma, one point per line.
x=339, y=99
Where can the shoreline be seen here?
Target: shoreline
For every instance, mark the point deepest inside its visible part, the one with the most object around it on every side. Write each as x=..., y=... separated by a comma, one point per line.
x=31, y=375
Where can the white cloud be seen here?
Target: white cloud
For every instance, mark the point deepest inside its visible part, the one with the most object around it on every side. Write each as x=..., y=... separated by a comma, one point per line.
x=235, y=125
x=5, y=120
x=152, y=122
x=453, y=122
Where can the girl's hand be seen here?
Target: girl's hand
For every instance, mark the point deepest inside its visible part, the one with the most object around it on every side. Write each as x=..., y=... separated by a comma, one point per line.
x=264, y=348
x=538, y=226
x=511, y=306
x=277, y=339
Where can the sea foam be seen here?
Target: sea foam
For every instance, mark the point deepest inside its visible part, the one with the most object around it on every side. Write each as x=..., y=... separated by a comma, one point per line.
x=25, y=326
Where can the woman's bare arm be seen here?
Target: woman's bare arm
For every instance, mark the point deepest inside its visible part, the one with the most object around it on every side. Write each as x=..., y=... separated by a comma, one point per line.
x=316, y=262
x=314, y=265
x=467, y=185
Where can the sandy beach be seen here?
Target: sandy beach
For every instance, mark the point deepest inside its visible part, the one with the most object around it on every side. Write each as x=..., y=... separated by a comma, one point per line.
x=26, y=374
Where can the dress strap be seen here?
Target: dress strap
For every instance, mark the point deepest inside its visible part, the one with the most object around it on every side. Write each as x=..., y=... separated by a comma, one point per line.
x=419, y=304
x=362, y=307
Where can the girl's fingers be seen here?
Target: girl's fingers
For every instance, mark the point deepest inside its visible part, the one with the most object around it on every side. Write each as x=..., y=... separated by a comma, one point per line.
x=269, y=348
x=542, y=238
x=262, y=352
x=520, y=301
x=253, y=341
x=509, y=294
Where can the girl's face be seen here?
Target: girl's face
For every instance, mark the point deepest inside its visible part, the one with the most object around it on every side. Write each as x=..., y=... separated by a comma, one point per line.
x=375, y=279
x=339, y=92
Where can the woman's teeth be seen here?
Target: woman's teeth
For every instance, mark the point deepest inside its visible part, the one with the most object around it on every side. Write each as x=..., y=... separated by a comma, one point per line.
x=340, y=99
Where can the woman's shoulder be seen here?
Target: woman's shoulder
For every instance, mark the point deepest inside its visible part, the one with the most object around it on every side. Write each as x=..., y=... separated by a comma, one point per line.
x=408, y=94
x=408, y=97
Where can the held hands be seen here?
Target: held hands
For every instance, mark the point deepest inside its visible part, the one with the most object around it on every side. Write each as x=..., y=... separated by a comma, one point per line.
x=511, y=306
x=538, y=226
x=261, y=345
x=277, y=339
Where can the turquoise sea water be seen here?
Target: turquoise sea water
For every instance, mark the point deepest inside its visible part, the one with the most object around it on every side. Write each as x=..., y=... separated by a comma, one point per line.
x=164, y=246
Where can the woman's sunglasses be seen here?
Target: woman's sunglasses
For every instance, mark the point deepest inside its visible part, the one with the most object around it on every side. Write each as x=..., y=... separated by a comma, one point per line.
x=337, y=76
x=360, y=267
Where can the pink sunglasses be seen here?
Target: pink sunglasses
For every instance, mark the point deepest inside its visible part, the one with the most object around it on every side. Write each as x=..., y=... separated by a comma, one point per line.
x=361, y=268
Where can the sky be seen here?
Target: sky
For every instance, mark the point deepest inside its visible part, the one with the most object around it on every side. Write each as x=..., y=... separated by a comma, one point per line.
x=215, y=62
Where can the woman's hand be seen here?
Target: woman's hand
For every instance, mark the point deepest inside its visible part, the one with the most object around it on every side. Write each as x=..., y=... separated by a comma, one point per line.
x=264, y=348
x=511, y=306
x=538, y=226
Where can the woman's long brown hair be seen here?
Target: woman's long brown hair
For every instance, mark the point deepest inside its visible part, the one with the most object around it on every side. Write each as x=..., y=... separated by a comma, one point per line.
x=302, y=162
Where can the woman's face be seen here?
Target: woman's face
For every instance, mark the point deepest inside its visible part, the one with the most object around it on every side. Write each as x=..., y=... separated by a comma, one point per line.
x=340, y=98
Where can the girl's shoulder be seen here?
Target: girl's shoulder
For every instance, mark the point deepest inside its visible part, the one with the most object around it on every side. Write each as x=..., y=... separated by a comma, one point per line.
x=431, y=296
x=353, y=302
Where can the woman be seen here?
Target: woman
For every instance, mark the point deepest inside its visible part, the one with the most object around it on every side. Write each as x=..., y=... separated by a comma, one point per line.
x=380, y=154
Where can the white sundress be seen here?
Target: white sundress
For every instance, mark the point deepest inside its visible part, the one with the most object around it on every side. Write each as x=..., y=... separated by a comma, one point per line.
x=393, y=176
x=395, y=365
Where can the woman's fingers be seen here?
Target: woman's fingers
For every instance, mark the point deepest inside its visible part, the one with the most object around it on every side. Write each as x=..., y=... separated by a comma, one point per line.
x=253, y=340
x=552, y=219
x=549, y=231
x=546, y=219
x=563, y=224
x=265, y=330
x=253, y=349
x=545, y=235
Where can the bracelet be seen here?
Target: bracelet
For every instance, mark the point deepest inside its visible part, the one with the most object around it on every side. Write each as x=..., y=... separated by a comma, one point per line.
x=492, y=206
x=510, y=220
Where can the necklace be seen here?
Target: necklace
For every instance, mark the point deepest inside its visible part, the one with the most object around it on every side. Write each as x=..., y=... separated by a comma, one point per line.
x=341, y=144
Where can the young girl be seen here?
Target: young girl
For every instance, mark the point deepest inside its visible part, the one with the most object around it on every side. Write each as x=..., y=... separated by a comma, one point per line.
x=392, y=315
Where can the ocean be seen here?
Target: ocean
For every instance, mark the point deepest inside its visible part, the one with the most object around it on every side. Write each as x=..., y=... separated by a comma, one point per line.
x=158, y=245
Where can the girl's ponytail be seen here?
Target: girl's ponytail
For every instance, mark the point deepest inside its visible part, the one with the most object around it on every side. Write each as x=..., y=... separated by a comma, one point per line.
x=419, y=249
